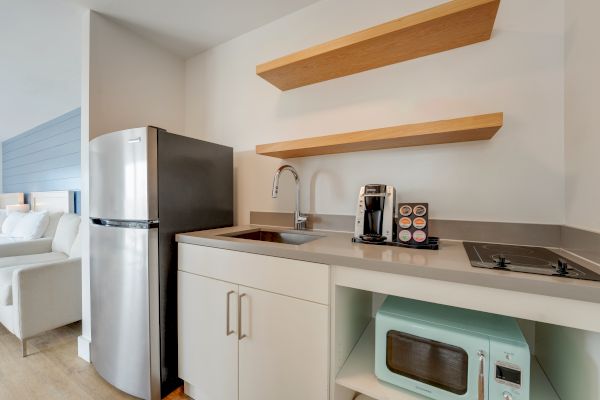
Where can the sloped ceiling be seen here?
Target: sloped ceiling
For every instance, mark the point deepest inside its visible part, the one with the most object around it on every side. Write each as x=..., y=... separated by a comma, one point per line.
x=40, y=44
x=187, y=27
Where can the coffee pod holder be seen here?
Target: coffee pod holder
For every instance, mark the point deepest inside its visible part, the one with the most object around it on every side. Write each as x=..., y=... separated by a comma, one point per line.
x=432, y=243
x=413, y=218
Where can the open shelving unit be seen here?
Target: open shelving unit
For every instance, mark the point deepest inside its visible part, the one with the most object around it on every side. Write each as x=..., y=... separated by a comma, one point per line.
x=466, y=129
x=448, y=26
x=358, y=375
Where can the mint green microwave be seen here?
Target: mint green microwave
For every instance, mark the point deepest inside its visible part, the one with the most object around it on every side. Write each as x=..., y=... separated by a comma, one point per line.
x=448, y=353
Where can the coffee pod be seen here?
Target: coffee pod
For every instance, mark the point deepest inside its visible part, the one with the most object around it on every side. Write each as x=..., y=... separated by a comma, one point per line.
x=420, y=210
x=406, y=210
x=405, y=222
x=404, y=235
x=419, y=222
x=419, y=236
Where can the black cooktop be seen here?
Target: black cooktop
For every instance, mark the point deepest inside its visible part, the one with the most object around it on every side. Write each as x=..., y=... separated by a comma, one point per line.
x=532, y=260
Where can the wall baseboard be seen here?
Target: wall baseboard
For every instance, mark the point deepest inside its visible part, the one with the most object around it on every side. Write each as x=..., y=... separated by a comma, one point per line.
x=84, y=345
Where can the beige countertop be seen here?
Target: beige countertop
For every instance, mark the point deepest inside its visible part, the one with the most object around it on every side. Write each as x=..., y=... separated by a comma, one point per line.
x=449, y=263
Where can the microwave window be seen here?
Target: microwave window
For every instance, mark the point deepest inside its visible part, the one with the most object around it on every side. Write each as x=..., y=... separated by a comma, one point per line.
x=428, y=361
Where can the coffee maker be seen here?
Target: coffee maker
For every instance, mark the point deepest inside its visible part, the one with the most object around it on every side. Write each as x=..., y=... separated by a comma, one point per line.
x=375, y=221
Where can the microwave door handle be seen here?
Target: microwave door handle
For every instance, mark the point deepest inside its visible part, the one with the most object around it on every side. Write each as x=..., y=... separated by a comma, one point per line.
x=481, y=377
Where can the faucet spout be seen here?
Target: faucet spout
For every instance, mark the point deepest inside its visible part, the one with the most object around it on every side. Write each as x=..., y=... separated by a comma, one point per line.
x=299, y=219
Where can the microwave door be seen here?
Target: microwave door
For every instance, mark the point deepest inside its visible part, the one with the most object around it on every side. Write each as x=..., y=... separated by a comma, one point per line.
x=436, y=361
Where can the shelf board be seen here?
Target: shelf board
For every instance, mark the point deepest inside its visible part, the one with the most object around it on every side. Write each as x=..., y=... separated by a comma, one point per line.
x=358, y=375
x=466, y=129
x=448, y=26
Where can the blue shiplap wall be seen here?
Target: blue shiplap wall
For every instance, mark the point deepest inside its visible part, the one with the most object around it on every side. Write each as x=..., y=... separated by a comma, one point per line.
x=47, y=157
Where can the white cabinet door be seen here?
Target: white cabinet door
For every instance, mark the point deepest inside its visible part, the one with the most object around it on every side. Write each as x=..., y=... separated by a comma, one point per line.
x=208, y=342
x=285, y=352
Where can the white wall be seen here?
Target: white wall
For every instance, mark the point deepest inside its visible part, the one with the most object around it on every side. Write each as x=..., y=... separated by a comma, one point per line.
x=582, y=119
x=571, y=357
x=127, y=82
x=133, y=82
x=40, y=62
x=518, y=176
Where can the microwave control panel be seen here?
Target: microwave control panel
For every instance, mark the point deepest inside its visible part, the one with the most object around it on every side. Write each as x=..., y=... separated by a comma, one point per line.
x=509, y=371
x=508, y=374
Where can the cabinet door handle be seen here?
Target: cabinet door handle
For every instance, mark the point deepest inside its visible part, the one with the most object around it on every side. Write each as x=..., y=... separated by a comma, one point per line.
x=240, y=335
x=228, y=331
x=481, y=376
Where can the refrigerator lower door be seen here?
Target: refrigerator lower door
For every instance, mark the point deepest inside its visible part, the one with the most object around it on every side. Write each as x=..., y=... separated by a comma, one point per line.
x=124, y=296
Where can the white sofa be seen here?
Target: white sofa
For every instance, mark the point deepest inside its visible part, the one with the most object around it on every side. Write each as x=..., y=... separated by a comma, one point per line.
x=10, y=246
x=42, y=290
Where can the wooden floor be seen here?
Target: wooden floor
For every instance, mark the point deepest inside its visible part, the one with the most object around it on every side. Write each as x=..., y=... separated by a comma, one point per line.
x=52, y=369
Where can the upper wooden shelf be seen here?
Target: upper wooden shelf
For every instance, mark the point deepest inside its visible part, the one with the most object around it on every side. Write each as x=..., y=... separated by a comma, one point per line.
x=447, y=26
x=466, y=129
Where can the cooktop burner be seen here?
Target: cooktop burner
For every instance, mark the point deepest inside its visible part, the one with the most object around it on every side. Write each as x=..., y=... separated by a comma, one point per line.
x=532, y=260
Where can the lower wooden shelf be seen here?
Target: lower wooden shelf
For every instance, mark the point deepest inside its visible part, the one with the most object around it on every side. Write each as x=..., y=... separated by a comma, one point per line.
x=465, y=129
x=357, y=374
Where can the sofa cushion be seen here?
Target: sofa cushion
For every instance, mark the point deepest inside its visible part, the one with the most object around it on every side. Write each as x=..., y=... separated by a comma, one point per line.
x=53, y=219
x=76, y=248
x=6, y=286
x=31, y=226
x=31, y=259
x=66, y=232
x=11, y=221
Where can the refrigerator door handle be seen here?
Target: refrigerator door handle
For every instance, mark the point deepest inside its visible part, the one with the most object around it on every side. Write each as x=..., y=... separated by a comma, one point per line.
x=115, y=223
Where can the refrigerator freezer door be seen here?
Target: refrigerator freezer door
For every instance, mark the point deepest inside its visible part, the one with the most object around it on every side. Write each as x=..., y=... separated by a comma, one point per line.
x=123, y=175
x=125, y=342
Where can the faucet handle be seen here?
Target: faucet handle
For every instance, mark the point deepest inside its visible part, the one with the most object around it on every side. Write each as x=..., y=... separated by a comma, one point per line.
x=301, y=222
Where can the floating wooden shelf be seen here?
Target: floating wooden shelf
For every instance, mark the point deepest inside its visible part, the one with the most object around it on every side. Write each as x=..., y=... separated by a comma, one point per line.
x=479, y=127
x=357, y=375
x=448, y=26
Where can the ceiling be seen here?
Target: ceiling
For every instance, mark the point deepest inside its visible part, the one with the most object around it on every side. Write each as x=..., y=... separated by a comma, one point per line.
x=40, y=62
x=40, y=44
x=187, y=27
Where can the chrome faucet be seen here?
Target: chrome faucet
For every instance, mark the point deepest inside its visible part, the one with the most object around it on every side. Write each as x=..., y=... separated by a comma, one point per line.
x=299, y=219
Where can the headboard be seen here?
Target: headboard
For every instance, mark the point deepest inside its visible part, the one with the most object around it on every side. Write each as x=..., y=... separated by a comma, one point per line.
x=63, y=200
x=7, y=199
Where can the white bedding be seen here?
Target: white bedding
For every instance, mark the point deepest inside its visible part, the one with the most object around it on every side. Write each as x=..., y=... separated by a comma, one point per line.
x=9, y=239
x=11, y=246
x=6, y=238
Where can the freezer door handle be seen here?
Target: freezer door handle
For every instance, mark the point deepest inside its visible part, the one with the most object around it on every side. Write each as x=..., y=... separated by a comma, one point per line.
x=115, y=223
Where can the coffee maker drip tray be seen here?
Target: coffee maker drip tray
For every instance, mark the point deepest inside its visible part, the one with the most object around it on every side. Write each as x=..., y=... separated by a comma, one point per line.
x=526, y=259
x=373, y=238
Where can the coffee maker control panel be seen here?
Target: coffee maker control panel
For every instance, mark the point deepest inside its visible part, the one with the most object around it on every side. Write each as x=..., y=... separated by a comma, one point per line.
x=360, y=212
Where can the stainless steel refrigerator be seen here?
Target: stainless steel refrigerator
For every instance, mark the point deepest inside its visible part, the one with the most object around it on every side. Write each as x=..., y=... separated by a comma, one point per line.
x=146, y=185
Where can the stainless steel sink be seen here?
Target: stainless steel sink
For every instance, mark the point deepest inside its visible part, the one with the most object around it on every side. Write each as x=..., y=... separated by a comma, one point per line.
x=275, y=237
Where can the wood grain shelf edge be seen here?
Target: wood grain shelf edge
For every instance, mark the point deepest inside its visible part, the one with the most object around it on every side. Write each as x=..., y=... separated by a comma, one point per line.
x=465, y=129
x=447, y=26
